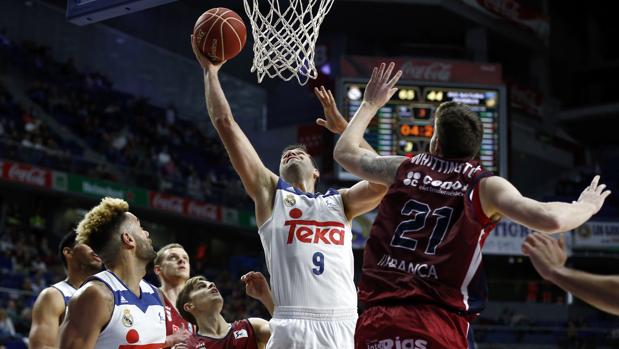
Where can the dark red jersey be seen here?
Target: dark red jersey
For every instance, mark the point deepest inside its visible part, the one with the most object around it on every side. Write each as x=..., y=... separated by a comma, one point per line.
x=425, y=244
x=173, y=320
x=240, y=336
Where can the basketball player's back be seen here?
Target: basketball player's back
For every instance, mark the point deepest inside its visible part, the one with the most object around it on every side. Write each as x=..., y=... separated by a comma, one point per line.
x=425, y=245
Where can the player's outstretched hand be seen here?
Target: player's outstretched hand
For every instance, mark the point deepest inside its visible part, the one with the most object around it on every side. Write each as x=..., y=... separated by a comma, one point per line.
x=206, y=64
x=381, y=88
x=333, y=119
x=256, y=285
x=594, y=194
x=547, y=254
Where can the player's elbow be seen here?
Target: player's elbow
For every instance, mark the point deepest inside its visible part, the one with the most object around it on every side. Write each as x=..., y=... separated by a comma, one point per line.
x=342, y=153
x=222, y=121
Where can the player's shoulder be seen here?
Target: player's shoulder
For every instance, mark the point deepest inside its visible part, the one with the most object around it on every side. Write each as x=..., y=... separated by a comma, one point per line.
x=93, y=291
x=50, y=298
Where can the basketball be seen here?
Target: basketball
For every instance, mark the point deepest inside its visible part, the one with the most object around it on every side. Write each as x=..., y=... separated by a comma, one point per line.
x=220, y=34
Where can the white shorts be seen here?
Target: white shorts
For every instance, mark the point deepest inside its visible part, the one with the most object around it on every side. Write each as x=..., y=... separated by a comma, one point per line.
x=302, y=328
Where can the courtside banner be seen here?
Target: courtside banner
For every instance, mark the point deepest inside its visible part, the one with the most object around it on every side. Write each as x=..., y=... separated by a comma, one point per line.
x=597, y=236
x=414, y=69
x=507, y=238
x=98, y=188
x=26, y=174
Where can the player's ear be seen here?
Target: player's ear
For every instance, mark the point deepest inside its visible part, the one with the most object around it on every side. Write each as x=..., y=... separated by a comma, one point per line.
x=67, y=251
x=188, y=307
x=127, y=239
x=157, y=269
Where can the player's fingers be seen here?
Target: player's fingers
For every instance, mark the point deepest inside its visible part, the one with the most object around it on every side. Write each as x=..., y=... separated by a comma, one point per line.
x=321, y=122
x=388, y=71
x=331, y=98
x=381, y=72
x=374, y=74
x=594, y=182
x=600, y=188
x=395, y=78
x=561, y=242
x=527, y=248
x=605, y=194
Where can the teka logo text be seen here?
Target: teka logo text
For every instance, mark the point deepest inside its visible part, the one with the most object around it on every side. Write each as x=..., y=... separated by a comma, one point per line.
x=314, y=232
x=398, y=343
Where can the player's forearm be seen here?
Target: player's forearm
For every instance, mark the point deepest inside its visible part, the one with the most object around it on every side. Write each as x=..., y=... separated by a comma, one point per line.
x=349, y=147
x=600, y=291
x=216, y=102
x=268, y=303
x=565, y=216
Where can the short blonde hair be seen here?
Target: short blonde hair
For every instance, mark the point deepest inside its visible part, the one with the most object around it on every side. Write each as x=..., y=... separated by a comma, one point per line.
x=96, y=227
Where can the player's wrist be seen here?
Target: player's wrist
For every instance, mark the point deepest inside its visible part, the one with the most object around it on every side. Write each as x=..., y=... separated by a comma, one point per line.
x=556, y=273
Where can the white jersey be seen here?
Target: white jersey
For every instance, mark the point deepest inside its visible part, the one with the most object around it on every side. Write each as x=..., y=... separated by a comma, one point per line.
x=66, y=290
x=136, y=322
x=308, y=248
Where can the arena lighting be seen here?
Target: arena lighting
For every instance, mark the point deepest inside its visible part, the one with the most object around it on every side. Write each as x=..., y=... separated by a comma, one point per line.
x=83, y=12
x=354, y=93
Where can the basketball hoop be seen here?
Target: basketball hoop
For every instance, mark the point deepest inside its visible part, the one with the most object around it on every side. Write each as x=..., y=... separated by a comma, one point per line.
x=285, y=37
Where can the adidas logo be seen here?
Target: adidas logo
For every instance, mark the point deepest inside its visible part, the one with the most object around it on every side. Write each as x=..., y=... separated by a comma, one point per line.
x=123, y=300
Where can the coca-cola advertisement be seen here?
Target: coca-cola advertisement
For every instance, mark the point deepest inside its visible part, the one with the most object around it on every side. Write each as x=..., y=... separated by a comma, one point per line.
x=203, y=210
x=27, y=174
x=167, y=202
x=425, y=70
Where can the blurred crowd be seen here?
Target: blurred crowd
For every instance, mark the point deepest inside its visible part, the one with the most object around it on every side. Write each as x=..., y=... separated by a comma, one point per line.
x=141, y=144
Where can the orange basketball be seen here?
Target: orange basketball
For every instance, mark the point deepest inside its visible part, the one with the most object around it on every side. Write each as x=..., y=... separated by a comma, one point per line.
x=220, y=34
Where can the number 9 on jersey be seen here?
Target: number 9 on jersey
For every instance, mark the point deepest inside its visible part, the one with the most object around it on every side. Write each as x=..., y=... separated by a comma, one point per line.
x=319, y=261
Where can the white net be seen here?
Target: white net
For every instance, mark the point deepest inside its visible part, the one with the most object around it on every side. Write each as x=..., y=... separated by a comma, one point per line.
x=285, y=37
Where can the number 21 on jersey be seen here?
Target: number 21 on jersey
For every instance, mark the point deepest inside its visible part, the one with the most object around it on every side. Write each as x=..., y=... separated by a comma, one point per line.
x=420, y=212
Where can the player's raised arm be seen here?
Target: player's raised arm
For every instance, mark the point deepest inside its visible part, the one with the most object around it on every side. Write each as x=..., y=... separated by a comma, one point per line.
x=90, y=309
x=46, y=313
x=499, y=197
x=259, y=182
x=257, y=287
x=349, y=151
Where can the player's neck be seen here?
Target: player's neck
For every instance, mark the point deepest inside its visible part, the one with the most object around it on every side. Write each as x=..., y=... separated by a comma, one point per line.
x=212, y=325
x=76, y=277
x=130, y=272
x=171, y=290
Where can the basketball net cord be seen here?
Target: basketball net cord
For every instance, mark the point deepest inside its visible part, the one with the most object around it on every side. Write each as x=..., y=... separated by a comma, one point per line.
x=285, y=37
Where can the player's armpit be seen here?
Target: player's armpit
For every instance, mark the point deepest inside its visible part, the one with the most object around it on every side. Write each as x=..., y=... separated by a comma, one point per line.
x=262, y=330
x=88, y=313
x=362, y=197
x=46, y=314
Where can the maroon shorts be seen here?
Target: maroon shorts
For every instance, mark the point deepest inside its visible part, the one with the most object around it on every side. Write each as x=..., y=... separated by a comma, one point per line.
x=419, y=326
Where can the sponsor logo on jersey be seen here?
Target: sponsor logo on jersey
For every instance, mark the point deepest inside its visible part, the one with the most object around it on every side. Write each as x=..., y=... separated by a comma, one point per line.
x=289, y=200
x=314, y=232
x=398, y=343
x=420, y=269
x=127, y=318
x=427, y=183
x=240, y=334
x=161, y=317
x=123, y=300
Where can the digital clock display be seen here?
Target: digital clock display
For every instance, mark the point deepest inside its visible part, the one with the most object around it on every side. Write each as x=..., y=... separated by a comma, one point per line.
x=405, y=125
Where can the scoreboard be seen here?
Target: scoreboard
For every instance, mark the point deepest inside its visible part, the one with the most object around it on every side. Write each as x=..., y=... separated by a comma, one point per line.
x=405, y=124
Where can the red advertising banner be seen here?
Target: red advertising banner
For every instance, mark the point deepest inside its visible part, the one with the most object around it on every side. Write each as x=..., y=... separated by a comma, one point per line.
x=184, y=206
x=27, y=174
x=426, y=70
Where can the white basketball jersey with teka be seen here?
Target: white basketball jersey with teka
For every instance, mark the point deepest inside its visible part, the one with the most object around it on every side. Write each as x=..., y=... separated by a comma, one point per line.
x=308, y=248
x=136, y=322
